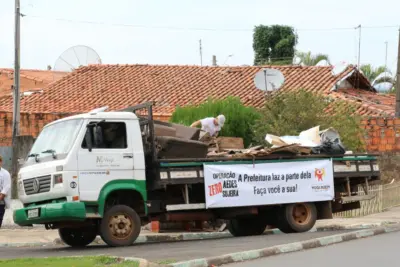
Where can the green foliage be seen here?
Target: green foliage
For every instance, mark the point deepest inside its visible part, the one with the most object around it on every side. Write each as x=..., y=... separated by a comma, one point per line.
x=290, y=113
x=309, y=59
x=274, y=44
x=239, y=118
x=371, y=73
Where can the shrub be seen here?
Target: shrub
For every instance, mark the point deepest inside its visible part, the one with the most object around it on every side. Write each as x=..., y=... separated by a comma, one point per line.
x=289, y=113
x=239, y=118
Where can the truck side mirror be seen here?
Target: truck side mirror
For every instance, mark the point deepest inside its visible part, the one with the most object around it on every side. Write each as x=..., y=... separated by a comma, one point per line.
x=88, y=137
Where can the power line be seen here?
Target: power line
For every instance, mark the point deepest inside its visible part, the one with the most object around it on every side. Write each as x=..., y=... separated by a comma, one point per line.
x=195, y=29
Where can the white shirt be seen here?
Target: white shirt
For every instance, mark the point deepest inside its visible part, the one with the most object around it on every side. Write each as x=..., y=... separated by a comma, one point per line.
x=208, y=126
x=5, y=186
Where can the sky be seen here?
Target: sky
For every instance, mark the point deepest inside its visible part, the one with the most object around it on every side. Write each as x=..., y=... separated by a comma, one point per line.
x=168, y=31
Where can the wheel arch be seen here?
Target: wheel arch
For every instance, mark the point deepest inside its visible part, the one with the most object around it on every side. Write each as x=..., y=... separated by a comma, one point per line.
x=115, y=187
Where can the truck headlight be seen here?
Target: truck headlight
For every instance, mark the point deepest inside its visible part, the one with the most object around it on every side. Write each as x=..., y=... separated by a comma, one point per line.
x=58, y=179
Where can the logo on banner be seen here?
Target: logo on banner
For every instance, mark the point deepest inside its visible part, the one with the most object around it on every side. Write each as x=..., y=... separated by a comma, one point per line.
x=321, y=188
x=320, y=174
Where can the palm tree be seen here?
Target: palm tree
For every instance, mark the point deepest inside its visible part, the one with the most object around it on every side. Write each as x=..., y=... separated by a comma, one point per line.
x=371, y=73
x=309, y=59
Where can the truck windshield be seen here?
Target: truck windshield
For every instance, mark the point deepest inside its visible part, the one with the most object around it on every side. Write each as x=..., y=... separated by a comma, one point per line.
x=56, y=139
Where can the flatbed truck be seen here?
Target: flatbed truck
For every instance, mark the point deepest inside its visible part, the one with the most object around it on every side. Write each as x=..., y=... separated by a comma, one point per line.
x=78, y=178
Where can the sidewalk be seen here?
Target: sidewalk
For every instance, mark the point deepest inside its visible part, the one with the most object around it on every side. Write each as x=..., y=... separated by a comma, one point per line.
x=39, y=236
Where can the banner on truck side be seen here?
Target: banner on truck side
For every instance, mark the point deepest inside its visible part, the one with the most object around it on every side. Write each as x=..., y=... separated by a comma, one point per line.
x=236, y=185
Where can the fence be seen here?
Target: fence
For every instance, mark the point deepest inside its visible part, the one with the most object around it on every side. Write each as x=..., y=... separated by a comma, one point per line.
x=387, y=196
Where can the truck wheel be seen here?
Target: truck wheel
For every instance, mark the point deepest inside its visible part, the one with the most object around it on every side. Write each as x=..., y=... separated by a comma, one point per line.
x=247, y=226
x=78, y=237
x=120, y=226
x=297, y=217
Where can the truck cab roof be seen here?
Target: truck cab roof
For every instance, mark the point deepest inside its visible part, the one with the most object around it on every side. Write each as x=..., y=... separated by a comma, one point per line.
x=119, y=115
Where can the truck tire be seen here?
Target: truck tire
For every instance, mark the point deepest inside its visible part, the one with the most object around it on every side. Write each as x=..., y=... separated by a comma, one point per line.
x=78, y=237
x=297, y=217
x=120, y=226
x=247, y=226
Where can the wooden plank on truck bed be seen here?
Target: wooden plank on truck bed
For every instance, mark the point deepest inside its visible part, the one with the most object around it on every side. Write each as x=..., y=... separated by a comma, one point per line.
x=230, y=143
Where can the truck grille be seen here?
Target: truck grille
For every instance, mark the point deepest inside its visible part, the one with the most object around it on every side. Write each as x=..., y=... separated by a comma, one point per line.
x=37, y=185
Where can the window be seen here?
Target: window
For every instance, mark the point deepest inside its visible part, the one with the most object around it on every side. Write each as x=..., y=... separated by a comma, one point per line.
x=107, y=135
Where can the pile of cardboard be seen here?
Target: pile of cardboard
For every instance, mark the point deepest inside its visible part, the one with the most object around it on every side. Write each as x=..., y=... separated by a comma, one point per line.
x=259, y=152
x=233, y=147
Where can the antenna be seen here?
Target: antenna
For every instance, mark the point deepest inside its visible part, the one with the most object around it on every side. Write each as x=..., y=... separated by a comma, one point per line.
x=323, y=63
x=339, y=68
x=75, y=57
x=296, y=60
x=269, y=80
x=201, y=53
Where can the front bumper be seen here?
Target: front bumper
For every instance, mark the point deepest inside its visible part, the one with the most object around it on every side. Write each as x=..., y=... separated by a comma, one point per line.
x=52, y=212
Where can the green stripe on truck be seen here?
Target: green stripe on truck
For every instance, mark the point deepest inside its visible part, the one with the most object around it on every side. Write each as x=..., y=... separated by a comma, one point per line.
x=135, y=185
x=52, y=212
x=231, y=162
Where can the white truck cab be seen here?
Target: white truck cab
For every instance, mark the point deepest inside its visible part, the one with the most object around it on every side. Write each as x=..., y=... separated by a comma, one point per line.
x=62, y=176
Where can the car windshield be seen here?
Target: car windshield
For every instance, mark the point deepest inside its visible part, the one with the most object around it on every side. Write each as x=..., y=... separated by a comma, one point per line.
x=55, y=139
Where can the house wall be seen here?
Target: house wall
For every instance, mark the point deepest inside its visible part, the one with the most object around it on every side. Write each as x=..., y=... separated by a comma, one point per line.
x=382, y=134
x=30, y=124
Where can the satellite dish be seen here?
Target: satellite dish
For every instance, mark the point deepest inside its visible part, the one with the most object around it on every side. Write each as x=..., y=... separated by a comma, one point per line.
x=339, y=68
x=296, y=60
x=383, y=87
x=384, y=75
x=269, y=79
x=75, y=57
x=323, y=63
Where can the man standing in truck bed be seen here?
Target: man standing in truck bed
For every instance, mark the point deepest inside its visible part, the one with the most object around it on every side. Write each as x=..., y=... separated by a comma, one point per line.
x=211, y=125
x=5, y=190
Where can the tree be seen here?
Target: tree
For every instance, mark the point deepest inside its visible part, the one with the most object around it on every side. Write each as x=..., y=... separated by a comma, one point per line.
x=371, y=73
x=311, y=60
x=239, y=118
x=274, y=44
x=290, y=113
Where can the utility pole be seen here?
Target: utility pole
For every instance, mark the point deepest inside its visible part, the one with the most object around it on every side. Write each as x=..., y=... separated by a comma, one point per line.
x=16, y=98
x=16, y=106
x=201, y=53
x=398, y=81
x=359, y=45
x=386, y=52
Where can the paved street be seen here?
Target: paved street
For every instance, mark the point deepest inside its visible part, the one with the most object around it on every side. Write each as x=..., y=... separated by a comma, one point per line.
x=173, y=251
x=382, y=250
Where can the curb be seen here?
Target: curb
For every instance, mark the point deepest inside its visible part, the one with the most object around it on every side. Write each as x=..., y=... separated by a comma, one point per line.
x=158, y=238
x=287, y=248
x=143, y=262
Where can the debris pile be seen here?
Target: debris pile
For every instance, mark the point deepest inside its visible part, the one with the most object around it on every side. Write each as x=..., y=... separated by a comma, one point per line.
x=311, y=141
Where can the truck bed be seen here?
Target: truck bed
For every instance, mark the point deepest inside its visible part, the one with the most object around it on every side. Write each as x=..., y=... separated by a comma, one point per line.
x=189, y=171
x=350, y=171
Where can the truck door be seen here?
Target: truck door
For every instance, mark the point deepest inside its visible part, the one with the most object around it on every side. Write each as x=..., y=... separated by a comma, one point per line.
x=111, y=158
